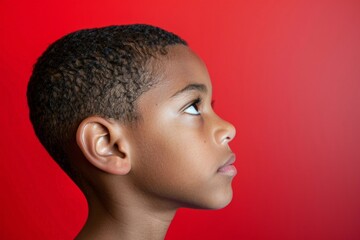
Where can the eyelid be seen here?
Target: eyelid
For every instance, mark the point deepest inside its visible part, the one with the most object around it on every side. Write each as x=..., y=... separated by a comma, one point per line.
x=195, y=102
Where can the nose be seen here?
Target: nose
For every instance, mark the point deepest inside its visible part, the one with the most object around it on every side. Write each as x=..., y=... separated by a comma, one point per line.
x=224, y=132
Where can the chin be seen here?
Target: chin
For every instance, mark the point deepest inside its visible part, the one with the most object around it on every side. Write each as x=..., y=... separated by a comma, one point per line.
x=222, y=199
x=221, y=204
x=215, y=201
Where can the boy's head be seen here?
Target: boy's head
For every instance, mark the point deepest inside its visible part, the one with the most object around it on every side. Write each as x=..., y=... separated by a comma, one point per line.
x=137, y=102
x=93, y=72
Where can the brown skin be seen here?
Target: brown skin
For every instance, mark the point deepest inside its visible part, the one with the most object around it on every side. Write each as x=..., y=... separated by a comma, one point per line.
x=138, y=176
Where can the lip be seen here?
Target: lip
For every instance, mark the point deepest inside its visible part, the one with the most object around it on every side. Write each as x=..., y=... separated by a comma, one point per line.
x=228, y=168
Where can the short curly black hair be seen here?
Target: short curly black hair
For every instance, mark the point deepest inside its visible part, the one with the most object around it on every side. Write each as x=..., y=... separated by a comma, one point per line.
x=100, y=71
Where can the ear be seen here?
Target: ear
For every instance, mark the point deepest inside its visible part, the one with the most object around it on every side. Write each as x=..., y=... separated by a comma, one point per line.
x=104, y=144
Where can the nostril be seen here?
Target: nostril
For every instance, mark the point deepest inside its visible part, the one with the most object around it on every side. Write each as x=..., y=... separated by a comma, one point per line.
x=226, y=140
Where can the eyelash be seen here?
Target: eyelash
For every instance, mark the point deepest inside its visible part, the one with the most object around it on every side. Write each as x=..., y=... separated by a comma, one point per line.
x=195, y=104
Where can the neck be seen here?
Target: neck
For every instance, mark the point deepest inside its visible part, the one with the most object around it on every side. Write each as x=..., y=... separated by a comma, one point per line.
x=109, y=219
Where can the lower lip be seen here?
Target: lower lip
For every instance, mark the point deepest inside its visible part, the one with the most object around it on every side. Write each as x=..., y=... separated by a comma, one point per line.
x=229, y=170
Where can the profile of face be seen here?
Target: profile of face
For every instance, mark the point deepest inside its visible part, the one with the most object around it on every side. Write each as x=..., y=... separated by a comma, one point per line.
x=181, y=153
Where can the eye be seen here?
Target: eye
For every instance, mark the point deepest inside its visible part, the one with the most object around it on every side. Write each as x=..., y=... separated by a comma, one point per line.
x=193, y=109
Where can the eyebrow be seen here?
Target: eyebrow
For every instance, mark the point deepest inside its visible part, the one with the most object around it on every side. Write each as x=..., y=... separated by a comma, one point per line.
x=191, y=87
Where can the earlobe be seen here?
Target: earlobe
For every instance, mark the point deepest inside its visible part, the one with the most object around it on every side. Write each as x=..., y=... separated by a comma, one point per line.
x=104, y=145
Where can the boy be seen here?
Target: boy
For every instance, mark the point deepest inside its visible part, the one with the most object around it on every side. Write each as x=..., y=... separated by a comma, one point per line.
x=126, y=112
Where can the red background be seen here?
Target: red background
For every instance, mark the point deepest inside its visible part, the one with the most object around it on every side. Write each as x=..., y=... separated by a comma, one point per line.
x=285, y=73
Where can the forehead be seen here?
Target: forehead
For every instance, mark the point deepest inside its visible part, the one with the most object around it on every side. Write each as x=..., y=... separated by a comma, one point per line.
x=175, y=71
x=179, y=68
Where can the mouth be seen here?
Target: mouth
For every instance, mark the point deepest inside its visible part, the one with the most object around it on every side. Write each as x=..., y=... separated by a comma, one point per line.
x=228, y=168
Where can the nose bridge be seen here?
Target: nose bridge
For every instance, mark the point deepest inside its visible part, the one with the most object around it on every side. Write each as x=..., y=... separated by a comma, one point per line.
x=224, y=131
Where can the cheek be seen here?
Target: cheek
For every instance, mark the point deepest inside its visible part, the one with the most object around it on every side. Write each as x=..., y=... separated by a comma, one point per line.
x=183, y=150
x=179, y=162
x=168, y=161
x=164, y=158
x=151, y=159
x=173, y=138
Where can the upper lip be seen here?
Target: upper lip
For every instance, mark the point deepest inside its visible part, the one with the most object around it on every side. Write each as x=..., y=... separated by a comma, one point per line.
x=230, y=161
